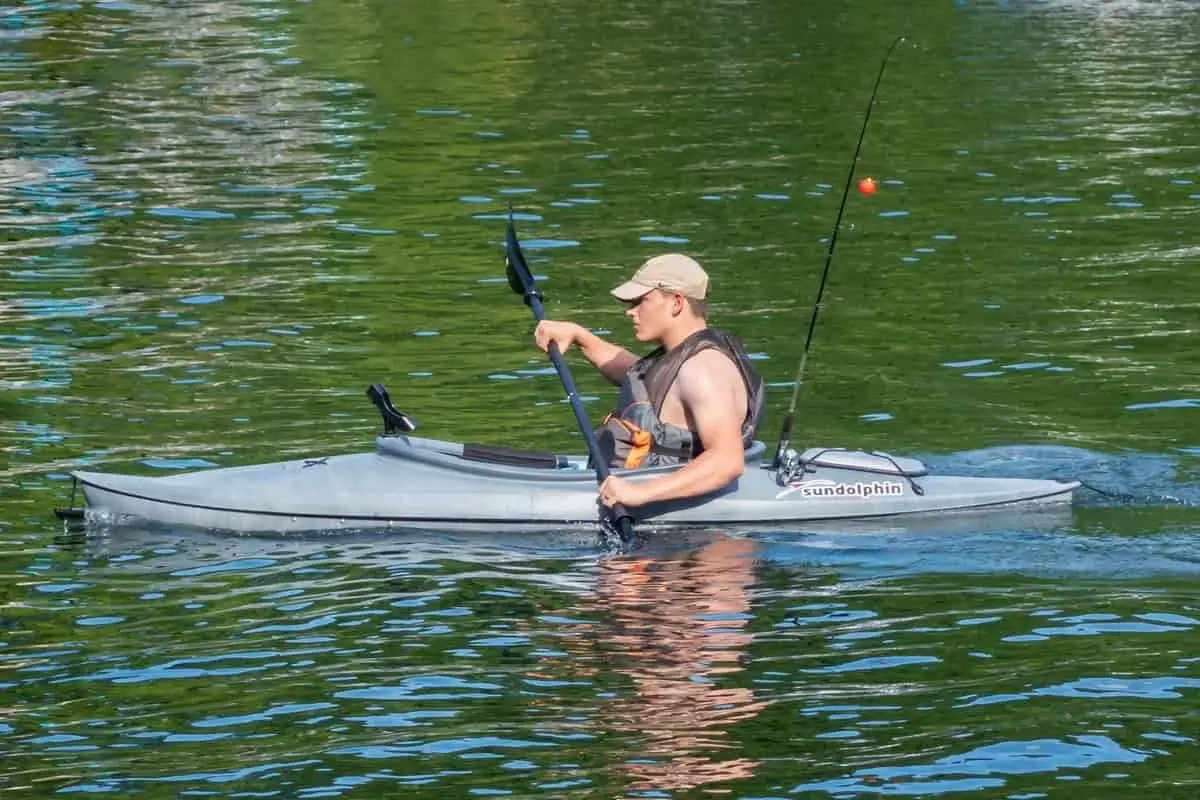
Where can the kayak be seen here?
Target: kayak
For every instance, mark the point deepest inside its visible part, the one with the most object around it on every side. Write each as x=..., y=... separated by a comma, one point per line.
x=413, y=483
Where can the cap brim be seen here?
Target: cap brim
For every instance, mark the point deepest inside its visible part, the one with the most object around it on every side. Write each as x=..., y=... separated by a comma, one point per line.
x=629, y=291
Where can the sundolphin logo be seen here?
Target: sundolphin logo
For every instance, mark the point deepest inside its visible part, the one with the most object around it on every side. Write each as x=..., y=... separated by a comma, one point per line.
x=821, y=488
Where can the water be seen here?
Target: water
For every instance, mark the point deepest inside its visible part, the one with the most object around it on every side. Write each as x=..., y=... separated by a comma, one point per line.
x=221, y=222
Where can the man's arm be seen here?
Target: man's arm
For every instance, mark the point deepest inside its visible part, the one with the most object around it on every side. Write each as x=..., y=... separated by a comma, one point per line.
x=612, y=360
x=708, y=388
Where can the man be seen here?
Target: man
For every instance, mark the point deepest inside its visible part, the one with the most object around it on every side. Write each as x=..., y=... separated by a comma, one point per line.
x=695, y=399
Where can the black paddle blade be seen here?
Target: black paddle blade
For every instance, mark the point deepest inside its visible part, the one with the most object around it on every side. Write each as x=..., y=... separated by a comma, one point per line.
x=617, y=533
x=519, y=277
x=514, y=279
x=624, y=524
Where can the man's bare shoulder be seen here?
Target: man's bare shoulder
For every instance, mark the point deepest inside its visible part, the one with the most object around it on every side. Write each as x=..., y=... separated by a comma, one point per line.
x=710, y=364
x=713, y=396
x=709, y=377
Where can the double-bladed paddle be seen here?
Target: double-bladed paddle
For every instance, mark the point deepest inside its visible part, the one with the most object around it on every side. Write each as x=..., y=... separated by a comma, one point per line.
x=522, y=282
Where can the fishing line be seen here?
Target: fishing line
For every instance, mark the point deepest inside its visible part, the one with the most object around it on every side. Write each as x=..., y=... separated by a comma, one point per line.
x=786, y=432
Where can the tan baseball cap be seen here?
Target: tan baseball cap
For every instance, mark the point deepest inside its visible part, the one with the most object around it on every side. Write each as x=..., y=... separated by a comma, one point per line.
x=671, y=272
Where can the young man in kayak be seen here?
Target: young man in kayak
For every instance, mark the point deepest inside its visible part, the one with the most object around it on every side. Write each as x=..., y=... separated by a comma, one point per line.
x=695, y=399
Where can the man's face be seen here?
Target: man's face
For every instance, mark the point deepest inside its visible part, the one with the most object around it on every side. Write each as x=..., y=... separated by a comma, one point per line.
x=653, y=313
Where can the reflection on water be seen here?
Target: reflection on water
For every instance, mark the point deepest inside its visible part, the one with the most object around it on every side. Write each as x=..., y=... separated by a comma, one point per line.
x=677, y=630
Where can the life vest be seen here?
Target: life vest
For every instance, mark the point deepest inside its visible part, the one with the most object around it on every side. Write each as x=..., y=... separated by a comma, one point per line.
x=634, y=436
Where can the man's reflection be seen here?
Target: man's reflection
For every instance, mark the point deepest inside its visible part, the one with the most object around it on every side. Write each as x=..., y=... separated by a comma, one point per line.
x=676, y=626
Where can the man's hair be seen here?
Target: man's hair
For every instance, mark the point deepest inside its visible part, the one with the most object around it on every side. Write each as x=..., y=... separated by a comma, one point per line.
x=695, y=305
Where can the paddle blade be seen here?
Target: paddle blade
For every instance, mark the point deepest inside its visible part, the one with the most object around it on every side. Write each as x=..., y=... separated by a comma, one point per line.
x=617, y=532
x=514, y=279
x=519, y=276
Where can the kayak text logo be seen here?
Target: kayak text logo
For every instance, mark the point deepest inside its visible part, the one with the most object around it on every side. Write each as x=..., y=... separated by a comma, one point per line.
x=817, y=489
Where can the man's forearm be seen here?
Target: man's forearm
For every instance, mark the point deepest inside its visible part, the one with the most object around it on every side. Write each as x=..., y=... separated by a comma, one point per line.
x=708, y=472
x=612, y=360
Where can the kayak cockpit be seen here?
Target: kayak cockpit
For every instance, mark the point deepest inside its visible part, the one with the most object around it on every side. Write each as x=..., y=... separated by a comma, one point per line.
x=495, y=461
x=485, y=458
x=503, y=462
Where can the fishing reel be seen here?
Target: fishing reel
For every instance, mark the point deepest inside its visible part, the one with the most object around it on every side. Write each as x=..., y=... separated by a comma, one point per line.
x=789, y=468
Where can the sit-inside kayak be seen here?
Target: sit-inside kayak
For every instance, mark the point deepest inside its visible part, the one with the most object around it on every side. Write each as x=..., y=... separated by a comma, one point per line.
x=409, y=482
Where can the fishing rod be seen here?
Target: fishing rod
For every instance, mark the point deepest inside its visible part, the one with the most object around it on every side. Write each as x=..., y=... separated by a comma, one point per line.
x=786, y=433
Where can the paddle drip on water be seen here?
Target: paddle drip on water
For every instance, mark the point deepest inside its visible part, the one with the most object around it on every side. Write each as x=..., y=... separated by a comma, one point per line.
x=786, y=432
x=616, y=521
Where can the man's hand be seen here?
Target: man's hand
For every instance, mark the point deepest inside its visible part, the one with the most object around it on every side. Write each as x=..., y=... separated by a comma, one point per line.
x=564, y=334
x=619, y=491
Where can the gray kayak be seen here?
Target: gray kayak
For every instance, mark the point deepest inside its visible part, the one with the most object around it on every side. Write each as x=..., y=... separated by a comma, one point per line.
x=409, y=482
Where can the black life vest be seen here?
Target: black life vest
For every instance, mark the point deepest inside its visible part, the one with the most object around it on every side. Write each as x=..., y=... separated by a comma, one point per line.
x=633, y=435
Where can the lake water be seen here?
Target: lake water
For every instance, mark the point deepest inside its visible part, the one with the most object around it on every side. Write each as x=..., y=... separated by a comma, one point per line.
x=222, y=221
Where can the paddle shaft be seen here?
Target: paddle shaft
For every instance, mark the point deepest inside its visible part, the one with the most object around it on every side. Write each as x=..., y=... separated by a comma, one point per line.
x=521, y=280
x=585, y=428
x=622, y=517
x=786, y=430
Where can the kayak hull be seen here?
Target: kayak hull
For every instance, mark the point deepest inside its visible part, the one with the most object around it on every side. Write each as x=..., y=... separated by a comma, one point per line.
x=430, y=485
